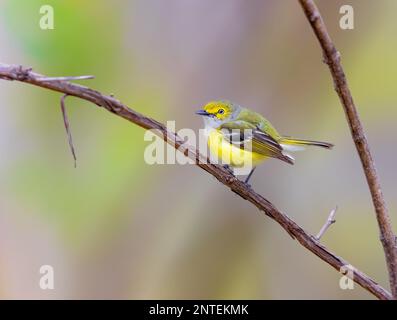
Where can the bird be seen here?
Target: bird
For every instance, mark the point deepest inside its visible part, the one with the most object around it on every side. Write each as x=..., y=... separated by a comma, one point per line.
x=229, y=128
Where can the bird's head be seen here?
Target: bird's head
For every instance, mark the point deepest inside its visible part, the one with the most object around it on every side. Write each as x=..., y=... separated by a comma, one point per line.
x=218, y=112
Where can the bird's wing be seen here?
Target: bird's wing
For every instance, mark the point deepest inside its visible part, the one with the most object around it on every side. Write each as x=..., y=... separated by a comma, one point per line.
x=246, y=135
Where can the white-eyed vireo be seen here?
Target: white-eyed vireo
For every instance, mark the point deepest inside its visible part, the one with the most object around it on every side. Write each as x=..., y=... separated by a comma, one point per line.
x=229, y=127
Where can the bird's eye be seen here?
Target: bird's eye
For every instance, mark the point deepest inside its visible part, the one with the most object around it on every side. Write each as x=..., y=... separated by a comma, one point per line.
x=221, y=111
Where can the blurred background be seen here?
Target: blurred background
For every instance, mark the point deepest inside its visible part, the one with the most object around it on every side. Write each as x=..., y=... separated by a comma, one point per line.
x=115, y=227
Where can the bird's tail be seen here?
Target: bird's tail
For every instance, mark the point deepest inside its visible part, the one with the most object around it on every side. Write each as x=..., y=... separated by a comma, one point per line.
x=293, y=144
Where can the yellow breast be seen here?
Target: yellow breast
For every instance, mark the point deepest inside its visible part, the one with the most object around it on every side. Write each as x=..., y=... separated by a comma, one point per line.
x=230, y=154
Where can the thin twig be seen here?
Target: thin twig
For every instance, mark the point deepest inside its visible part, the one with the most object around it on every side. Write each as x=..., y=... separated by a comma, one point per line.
x=13, y=72
x=66, y=78
x=331, y=220
x=332, y=58
x=67, y=127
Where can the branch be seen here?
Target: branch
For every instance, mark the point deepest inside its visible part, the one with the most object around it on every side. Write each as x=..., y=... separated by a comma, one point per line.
x=332, y=58
x=67, y=127
x=66, y=78
x=330, y=221
x=12, y=72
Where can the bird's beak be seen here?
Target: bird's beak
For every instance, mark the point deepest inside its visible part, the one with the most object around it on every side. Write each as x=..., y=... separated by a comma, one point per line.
x=203, y=113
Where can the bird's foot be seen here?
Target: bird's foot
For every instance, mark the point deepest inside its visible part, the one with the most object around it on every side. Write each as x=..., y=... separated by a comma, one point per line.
x=248, y=185
x=229, y=169
x=249, y=177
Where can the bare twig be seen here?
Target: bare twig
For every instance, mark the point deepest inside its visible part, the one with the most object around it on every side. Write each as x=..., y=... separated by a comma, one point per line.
x=66, y=78
x=12, y=72
x=67, y=127
x=331, y=220
x=332, y=58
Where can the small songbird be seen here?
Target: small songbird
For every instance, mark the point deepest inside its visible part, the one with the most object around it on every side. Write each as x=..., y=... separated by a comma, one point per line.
x=229, y=127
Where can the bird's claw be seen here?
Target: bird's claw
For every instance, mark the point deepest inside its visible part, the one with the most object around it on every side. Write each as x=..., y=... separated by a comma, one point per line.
x=229, y=169
x=247, y=184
